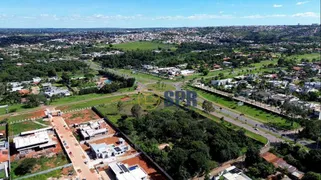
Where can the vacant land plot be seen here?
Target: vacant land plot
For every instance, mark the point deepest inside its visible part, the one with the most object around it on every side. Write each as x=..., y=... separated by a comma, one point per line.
x=90, y=103
x=141, y=77
x=79, y=117
x=257, y=114
x=17, y=128
x=42, y=163
x=161, y=87
x=114, y=114
x=143, y=45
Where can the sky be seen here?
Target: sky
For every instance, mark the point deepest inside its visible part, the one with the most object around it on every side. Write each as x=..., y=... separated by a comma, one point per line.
x=155, y=13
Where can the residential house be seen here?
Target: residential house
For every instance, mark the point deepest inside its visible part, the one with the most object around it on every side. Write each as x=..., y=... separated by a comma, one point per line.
x=231, y=173
x=124, y=172
x=33, y=140
x=221, y=82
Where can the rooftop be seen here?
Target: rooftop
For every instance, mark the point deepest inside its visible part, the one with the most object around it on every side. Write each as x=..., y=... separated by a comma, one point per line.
x=123, y=172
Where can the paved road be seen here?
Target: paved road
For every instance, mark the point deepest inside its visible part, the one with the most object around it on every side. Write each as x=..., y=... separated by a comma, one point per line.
x=261, y=127
x=77, y=155
x=243, y=99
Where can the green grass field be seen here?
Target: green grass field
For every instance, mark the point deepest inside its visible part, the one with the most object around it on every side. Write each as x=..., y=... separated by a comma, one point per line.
x=111, y=111
x=65, y=100
x=160, y=87
x=17, y=128
x=309, y=56
x=142, y=45
x=53, y=174
x=91, y=103
x=141, y=77
x=252, y=112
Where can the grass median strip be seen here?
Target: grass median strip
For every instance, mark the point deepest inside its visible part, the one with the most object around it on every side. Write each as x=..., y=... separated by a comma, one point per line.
x=252, y=112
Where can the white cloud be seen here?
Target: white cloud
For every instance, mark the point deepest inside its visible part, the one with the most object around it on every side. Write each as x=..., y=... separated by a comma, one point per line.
x=221, y=12
x=302, y=2
x=277, y=5
x=194, y=17
x=116, y=17
x=258, y=16
x=307, y=14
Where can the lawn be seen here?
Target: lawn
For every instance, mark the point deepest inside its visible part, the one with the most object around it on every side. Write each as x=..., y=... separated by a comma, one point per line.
x=142, y=77
x=53, y=174
x=17, y=128
x=309, y=56
x=254, y=113
x=43, y=163
x=111, y=111
x=161, y=87
x=60, y=101
x=142, y=45
x=94, y=102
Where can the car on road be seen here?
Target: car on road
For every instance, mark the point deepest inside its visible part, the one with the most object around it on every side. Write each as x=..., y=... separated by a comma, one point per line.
x=256, y=129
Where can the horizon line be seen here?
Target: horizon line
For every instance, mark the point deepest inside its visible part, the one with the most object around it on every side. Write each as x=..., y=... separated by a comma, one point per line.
x=155, y=26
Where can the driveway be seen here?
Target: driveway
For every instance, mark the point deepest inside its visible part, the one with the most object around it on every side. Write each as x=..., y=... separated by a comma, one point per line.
x=76, y=154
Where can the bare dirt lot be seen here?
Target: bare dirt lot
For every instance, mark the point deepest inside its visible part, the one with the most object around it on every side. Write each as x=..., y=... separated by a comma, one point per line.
x=79, y=117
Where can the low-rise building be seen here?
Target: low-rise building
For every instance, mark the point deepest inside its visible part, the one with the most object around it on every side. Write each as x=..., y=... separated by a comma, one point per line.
x=105, y=151
x=221, y=82
x=231, y=173
x=124, y=172
x=32, y=140
x=187, y=72
x=50, y=90
x=92, y=129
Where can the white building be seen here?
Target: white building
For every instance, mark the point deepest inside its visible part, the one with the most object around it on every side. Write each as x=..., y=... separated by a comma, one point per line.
x=187, y=72
x=232, y=173
x=50, y=90
x=221, y=82
x=36, y=79
x=92, y=129
x=123, y=172
x=36, y=139
x=105, y=151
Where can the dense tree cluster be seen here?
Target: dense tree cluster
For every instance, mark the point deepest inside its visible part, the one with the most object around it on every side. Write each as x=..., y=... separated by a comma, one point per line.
x=118, y=82
x=311, y=130
x=301, y=158
x=198, y=143
x=10, y=72
x=256, y=165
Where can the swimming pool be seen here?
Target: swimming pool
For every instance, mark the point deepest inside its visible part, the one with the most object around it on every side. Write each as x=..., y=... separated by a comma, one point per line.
x=108, y=81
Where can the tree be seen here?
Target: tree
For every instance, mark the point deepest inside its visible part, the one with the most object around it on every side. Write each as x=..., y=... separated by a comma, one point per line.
x=208, y=106
x=52, y=72
x=25, y=166
x=33, y=100
x=120, y=106
x=136, y=111
x=311, y=176
x=252, y=156
x=65, y=78
x=89, y=76
x=126, y=125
